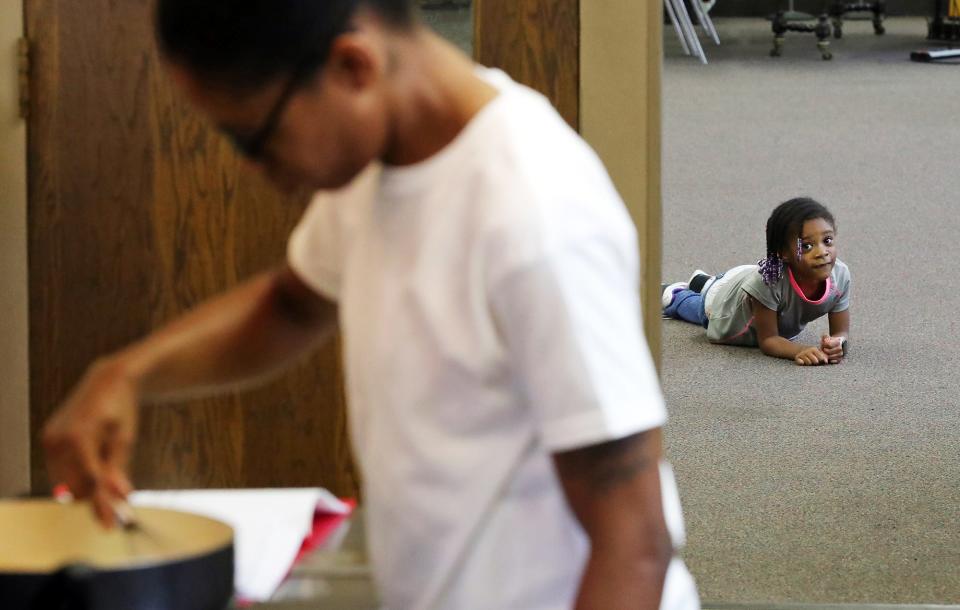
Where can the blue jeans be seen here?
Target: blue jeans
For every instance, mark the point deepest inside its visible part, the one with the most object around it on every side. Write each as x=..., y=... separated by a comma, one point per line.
x=687, y=305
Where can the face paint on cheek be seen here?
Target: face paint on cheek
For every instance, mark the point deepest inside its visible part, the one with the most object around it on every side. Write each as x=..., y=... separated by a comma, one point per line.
x=799, y=249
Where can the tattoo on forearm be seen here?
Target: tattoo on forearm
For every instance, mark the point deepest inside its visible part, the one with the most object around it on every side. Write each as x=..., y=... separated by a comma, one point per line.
x=612, y=475
x=606, y=466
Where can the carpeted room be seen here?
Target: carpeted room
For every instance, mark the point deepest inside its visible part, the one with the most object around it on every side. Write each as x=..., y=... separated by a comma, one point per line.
x=826, y=484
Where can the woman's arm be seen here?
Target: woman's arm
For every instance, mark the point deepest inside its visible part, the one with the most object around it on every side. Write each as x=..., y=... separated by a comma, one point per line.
x=254, y=330
x=614, y=491
x=772, y=344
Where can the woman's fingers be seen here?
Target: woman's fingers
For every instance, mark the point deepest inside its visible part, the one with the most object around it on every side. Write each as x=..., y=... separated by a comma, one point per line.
x=88, y=441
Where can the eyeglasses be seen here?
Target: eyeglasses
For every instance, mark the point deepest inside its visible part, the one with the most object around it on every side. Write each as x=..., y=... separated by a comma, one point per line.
x=252, y=146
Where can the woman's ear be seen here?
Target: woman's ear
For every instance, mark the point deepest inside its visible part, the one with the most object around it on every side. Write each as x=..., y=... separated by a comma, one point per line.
x=357, y=60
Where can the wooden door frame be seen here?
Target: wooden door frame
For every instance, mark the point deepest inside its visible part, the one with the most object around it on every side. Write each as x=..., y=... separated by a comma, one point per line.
x=14, y=374
x=600, y=63
x=621, y=62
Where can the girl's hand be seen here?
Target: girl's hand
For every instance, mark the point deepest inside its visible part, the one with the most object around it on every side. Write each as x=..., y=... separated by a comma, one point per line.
x=832, y=347
x=811, y=356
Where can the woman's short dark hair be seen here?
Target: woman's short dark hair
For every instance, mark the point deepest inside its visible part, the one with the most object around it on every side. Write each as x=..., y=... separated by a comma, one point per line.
x=786, y=221
x=242, y=45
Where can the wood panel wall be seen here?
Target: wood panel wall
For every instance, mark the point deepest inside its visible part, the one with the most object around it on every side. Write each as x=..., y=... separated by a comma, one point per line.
x=138, y=211
x=537, y=42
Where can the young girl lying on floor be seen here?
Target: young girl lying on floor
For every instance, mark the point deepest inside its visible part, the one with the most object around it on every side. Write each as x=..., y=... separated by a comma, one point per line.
x=770, y=303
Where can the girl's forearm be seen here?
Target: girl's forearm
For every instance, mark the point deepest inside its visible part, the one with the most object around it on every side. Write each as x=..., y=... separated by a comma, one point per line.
x=840, y=324
x=778, y=347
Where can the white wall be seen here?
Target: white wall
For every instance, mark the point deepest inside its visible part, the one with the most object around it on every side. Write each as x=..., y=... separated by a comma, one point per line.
x=14, y=363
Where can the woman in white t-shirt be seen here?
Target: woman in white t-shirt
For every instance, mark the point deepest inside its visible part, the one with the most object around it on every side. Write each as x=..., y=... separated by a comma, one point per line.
x=768, y=304
x=481, y=269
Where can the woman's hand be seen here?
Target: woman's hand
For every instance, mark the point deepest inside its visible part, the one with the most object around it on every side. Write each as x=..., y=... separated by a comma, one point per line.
x=811, y=356
x=89, y=438
x=257, y=329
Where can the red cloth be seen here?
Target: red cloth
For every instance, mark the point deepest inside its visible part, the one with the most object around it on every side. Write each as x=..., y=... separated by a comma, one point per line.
x=324, y=524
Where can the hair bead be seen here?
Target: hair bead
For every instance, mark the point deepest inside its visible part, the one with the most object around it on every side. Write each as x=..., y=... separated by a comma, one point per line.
x=771, y=268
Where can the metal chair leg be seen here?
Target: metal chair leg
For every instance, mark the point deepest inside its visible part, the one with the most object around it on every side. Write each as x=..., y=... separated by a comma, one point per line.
x=676, y=26
x=704, y=18
x=687, y=26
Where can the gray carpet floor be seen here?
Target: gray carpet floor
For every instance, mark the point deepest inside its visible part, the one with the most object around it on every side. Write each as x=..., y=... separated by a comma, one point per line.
x=828, y=484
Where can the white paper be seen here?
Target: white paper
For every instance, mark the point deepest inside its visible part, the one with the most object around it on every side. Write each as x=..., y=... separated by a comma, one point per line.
x=269, y=527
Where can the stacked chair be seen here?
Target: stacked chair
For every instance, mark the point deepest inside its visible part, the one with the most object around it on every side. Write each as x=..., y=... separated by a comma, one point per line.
x=683, y=24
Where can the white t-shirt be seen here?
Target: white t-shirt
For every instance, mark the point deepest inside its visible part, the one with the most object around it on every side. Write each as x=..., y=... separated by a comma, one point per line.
x=490, y=314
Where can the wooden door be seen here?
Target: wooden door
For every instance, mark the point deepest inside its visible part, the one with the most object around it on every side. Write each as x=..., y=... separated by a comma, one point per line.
x=137, y=211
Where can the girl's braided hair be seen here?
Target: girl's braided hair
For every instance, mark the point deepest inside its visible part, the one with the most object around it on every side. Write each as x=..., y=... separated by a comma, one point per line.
x=785, y=222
